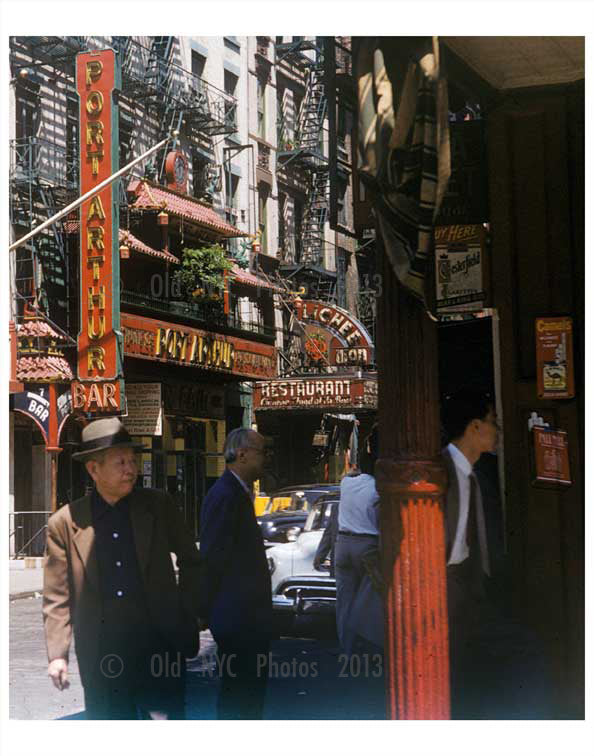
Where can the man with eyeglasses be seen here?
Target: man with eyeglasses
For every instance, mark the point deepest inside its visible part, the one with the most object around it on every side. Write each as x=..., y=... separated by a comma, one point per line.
x=236, y=594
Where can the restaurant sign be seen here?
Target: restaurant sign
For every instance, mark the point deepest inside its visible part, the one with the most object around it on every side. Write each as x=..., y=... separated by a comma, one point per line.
x=320, y=392
x=460, y=274
x=150, y=339
x=99, y=355
x=331, y=336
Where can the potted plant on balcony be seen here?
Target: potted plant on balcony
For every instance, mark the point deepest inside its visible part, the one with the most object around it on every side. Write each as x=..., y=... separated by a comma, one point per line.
x=201, y=277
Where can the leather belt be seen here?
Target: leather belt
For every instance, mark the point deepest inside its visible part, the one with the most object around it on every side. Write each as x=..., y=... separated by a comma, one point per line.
x=357, y=535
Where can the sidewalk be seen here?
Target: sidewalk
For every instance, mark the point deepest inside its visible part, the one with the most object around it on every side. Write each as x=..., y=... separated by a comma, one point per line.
x=24, y=582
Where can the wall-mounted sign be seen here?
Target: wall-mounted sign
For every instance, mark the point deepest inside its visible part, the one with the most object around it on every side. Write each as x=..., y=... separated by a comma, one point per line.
x=98, y=398
x=554, y=358
x=36, y=404
x=194, y=400
x=176, y=171
x=150, y=339
x=460, y=268
x=318, y=392
x=97, y=81
x=331, y=336
x=145, y=412
x=551, y=456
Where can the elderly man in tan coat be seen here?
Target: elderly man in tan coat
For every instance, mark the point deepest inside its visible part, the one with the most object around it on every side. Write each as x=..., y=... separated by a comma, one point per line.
x=109, y=577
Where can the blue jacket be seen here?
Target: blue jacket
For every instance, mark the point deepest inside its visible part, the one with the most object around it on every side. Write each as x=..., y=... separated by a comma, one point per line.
x=235, y=595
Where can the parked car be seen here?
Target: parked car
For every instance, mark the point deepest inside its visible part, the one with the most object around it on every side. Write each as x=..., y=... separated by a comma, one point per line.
x=297, y=504
x=297, y=588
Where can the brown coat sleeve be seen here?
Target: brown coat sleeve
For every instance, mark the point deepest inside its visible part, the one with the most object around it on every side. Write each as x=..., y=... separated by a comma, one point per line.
x=56, y=609
x=188, y=559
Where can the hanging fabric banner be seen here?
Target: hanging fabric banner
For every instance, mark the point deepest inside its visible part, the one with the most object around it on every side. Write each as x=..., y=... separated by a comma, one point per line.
x=404, y=155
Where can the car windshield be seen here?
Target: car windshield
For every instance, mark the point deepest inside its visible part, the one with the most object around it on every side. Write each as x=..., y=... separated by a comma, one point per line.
x=320, y=515
x=293, y=501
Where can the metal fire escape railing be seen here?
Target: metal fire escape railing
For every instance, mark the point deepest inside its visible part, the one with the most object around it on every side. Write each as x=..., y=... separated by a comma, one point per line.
x=43, y=177
x=150, y=75
x=306, y=150
x=179, y=98
x=58, y=52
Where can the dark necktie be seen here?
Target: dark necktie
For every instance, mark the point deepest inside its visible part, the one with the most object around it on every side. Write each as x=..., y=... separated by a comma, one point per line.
x=472, y=539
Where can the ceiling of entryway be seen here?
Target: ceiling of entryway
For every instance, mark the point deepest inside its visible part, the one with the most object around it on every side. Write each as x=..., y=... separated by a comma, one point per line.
x=512, y=62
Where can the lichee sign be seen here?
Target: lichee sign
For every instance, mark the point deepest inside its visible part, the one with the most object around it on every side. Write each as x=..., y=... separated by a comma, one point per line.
x=332, y=336
x=99, y=355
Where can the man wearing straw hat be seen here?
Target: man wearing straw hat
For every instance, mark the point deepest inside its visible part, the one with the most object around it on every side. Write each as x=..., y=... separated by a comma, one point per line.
x=109, y=578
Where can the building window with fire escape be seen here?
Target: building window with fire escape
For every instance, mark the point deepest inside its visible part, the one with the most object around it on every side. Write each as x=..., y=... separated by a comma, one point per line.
x=198, y=66
x=232, y=208
x=230, y=84
x=261, y=106
x=342, y=209
x=263, y=192
x=72, y=141
x=27, y=123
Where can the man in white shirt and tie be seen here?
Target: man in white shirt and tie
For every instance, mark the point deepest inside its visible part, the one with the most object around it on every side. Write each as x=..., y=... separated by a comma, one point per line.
x=471, y=425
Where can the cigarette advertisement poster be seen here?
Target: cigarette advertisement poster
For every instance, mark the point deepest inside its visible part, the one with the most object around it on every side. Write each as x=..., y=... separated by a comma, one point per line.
x=554, y=358
x=460, y=268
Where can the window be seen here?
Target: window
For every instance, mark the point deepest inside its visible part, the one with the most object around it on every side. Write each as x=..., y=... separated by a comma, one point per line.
x=199, y=175
x=231, y=195
x=198, y=64
x=262, y=218
x=230, y=105
x=342, y=215
x=27, y=110
x=298, y=223
x=344, y=125
x=261, y=99
x=282, y=219
x=72, y=156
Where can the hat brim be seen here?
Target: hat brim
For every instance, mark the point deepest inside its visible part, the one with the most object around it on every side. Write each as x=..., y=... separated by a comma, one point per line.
x=82, y=456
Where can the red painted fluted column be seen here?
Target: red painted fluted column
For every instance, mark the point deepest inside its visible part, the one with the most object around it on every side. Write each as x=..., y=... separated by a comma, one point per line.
x=411, y=482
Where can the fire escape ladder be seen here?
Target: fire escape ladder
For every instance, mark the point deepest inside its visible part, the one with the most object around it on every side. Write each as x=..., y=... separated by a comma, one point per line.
x=313, y=112
x=159, y=73
x=314, y=218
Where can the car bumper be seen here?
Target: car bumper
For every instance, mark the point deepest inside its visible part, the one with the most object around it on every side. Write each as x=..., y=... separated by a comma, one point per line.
x=309, y=597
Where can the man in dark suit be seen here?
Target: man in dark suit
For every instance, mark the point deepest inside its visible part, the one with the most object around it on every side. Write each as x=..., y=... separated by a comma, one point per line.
x=236, y=597
x=494, y=660
x=109, y=577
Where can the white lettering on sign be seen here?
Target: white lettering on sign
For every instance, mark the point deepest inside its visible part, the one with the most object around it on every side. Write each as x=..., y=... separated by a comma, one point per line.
x=37, y=409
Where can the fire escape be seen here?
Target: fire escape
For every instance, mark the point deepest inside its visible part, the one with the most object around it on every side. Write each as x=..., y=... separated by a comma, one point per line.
x=307, y=154
x=43, y=177
x=176, y=97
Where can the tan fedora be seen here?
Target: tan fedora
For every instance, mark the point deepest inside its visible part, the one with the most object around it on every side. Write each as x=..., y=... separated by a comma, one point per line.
x=107, y=433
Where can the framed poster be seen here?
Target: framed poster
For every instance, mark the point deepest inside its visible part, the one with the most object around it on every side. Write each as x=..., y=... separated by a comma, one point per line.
x=554, y=358
x=551, y=457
